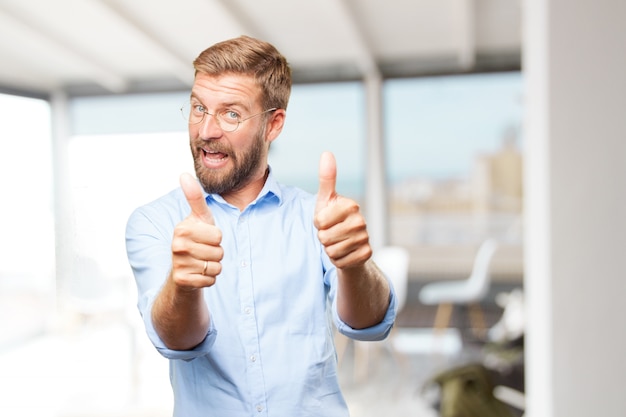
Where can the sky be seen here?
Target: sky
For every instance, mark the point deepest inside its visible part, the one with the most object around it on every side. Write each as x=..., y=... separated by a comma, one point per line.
x=434, y=127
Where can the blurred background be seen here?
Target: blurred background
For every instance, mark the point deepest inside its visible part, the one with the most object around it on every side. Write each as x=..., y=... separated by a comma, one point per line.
x=439, y=132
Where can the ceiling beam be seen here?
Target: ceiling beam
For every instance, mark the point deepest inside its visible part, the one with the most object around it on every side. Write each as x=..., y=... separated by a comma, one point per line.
x=366, y=61
x=105, y=76
x=242, y=18
x=178, y=63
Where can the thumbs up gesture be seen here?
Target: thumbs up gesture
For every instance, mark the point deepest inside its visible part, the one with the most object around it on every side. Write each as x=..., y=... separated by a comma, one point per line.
x=340, y=224
x=196, y=250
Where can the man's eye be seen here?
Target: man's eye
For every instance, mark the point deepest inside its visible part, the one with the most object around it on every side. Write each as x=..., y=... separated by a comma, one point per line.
x=198, y=108
x=230, y=115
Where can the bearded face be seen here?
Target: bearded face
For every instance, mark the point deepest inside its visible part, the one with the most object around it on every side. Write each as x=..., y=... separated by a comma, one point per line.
x=243, y=163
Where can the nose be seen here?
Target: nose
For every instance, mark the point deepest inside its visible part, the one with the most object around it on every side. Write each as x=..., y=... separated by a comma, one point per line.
x=208, y=128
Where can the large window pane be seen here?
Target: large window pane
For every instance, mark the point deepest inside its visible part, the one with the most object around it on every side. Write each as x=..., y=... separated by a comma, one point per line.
x=110, y=176
x=27, y=223
x=454, y=158
x=323, y=117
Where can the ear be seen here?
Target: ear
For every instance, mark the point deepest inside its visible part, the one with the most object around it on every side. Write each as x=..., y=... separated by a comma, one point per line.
x=275, y=124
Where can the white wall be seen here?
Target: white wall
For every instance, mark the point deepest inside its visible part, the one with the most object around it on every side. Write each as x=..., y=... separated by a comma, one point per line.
x=575, y=70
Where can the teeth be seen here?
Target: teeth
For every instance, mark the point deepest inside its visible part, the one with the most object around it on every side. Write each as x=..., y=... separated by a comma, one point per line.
x=213, y=153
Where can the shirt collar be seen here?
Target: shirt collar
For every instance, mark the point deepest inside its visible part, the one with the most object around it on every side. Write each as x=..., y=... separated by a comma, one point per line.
x=271, y=187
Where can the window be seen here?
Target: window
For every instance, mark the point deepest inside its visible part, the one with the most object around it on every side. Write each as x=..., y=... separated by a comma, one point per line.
x=27, y=284
x=323, y=117
x=454, y=157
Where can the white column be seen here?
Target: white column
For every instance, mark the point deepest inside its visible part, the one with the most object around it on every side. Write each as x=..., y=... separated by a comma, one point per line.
x=63, y=213
x=376, y=187
x=575, y=178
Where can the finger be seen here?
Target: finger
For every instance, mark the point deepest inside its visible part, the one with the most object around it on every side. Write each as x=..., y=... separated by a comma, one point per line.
x=195, y=198
x=327, y=180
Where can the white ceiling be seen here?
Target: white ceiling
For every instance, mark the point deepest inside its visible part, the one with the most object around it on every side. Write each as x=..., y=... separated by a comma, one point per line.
x=118, y=46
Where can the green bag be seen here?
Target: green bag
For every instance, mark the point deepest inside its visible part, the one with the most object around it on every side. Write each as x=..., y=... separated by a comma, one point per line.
x=467, y=391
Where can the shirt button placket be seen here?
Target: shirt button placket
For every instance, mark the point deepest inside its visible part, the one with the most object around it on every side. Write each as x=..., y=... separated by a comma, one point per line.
x=249, y=328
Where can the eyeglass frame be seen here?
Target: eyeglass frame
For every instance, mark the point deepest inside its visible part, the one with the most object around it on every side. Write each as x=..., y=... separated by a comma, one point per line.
x=218, y=118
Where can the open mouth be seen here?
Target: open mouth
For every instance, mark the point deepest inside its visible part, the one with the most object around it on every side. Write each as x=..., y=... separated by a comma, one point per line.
x=214, y=155
x=213, y=159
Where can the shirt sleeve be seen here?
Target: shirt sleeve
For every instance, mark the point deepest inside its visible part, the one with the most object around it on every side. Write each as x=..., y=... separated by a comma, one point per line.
x=377, y=332
x=148, y=246
x=202, y=349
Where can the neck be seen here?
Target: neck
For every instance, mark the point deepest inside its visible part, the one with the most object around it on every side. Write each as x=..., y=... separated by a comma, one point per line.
x=242, y=197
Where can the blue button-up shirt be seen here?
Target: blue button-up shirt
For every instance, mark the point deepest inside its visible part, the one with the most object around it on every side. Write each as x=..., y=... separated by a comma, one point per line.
x=269, y=350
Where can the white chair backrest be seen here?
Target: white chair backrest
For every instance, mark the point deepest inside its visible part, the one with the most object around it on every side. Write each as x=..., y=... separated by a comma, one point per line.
x=480, y=279
x=393, y=261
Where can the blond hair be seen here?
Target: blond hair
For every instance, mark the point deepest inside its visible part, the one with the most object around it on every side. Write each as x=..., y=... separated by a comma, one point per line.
x=250, y=56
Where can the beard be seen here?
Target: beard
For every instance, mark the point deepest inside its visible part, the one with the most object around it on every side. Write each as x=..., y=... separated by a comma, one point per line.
x=245, y=165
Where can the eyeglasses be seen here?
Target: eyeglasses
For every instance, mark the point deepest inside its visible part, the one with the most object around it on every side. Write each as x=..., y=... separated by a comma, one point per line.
x=227, y=120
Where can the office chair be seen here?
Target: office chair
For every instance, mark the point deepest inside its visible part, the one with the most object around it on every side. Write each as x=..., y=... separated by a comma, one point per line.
x=470, y=291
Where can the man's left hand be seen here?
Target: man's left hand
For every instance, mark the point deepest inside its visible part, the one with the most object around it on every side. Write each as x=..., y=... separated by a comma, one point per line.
x=339, y=221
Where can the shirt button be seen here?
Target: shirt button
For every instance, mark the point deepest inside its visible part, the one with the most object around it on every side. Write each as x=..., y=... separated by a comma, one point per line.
x=247, y=310
x=244, y=264
x=259, y=408
x=253, y=358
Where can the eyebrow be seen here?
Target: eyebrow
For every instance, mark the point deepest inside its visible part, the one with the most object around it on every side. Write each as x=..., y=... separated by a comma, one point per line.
x=221, y=105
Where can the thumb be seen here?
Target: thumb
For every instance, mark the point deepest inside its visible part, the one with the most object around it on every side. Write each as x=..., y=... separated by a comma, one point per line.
x=327, y=180
x=195, y=198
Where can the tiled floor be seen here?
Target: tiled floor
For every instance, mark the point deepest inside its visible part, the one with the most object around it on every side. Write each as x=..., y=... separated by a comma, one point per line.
x=392, y=383
x=92, y=371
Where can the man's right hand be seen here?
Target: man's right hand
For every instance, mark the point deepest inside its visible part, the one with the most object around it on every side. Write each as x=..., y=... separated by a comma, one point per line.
x=180, y=314
x=196, y=250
